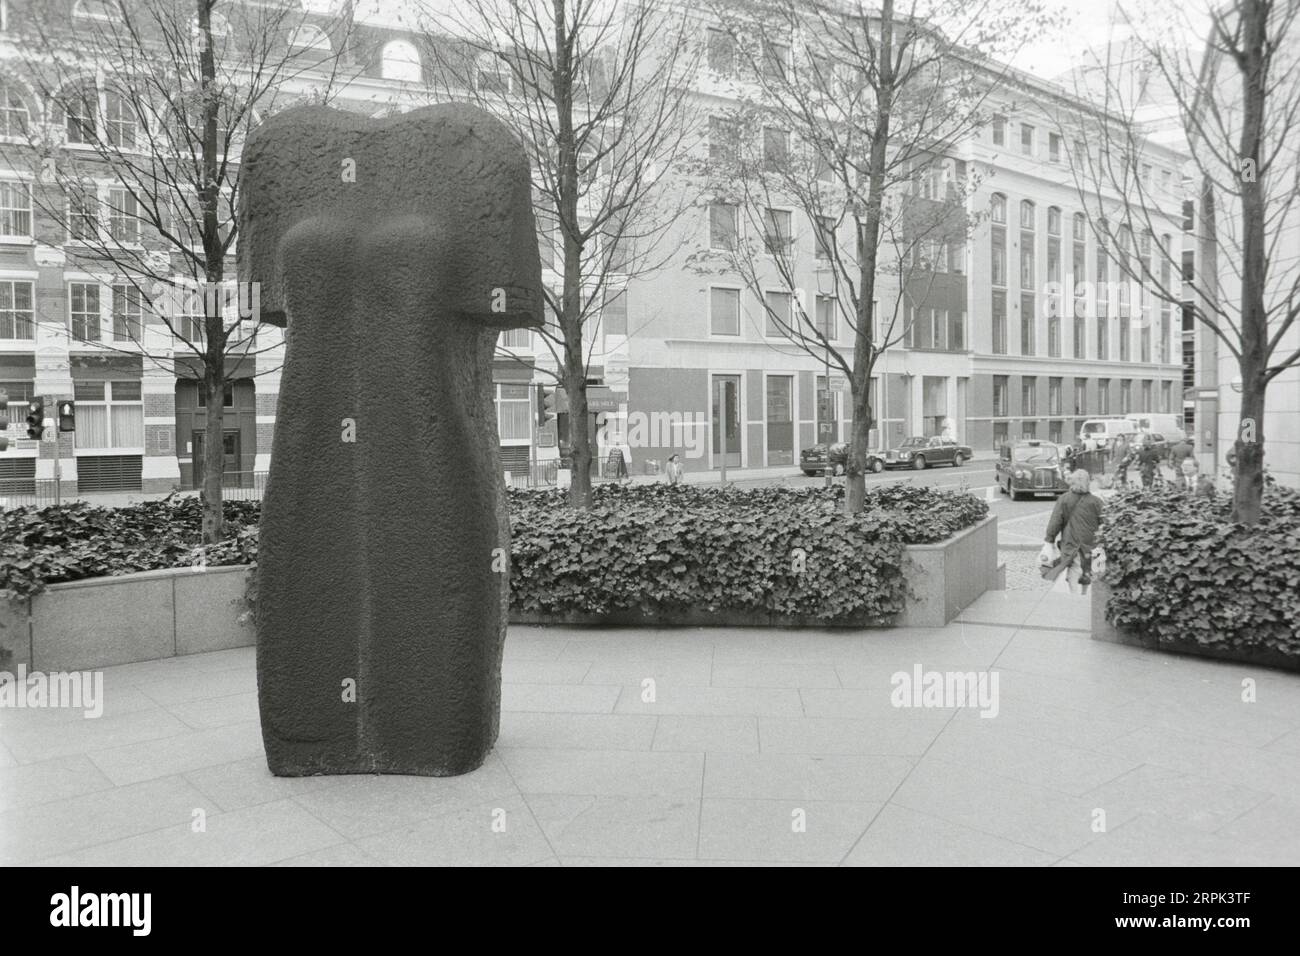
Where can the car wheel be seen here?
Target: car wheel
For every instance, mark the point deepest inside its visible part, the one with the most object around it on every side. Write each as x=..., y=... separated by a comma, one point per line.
x=1002, y=488
x=919, y=462
x=809, y=474
x=877, y=466
x=1015, y=495
x=957, y=459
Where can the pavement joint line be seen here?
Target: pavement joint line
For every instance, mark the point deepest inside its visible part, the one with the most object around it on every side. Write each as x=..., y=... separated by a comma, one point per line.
x=1029, y=627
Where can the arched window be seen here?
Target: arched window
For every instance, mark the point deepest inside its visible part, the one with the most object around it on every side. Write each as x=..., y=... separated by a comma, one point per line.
x=400, y=61
x=121, y=126
x=1080, y=227
x=308, y=37
x=998, y=208
x=94, y=9
x=15, y=118
x=1027, y=214
x=1053, y=220
x=79, y=104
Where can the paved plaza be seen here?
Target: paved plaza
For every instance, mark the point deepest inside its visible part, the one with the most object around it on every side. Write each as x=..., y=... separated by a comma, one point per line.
x=704, y=746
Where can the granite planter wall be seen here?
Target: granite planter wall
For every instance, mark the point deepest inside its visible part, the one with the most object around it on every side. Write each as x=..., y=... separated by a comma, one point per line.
x=1103, y=630
x=154, y=614
x=100, y=622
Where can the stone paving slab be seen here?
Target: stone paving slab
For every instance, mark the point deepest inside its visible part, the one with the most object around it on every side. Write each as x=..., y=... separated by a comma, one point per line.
x=706, y=747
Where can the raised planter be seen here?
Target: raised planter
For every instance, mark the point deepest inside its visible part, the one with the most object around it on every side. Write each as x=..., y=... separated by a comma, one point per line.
x=940, y=581
x=154, y=614
x=1103, y=630
x=144, y=616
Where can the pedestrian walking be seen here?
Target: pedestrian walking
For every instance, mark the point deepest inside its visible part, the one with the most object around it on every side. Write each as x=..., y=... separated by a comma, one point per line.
x=1072, y=533
x=1148, y=462
x=674, y=470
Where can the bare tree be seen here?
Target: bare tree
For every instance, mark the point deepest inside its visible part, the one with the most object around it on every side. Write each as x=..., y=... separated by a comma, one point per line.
x=156, y=96
x=875, y=101
x=596, y=92
x=1235, y=100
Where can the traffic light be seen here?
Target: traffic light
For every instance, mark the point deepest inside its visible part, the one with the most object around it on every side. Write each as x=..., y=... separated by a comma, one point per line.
x=67, y=417
x=35, y=418
x=545, y=405
x=4, y=420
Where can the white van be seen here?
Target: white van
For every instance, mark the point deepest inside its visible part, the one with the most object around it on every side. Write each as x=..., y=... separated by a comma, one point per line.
x=1103, y=431
x=1170, y=426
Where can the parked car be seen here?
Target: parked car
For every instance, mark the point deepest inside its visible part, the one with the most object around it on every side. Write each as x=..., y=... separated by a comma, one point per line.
x=816, y=459
x=919, y=452
x=1031, y=468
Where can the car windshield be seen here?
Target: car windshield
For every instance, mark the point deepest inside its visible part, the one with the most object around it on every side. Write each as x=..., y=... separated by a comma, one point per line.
x=1037, y=453
x=915, y=443
x=1092, y=428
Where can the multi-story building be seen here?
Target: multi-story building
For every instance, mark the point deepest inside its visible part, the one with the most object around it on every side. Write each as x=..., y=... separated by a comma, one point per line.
x=680, y=362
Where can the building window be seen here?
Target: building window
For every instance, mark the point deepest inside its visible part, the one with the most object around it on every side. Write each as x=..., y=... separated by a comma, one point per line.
x=123, y=216
x=83, y=311
x=724, y=311
x=957, y=329
x=1080, y=397
x=1080, y=228
x=400, y=60
x=724, y=226
x=17, y=316
x=15, y=119
x=724, y=140
x=109, y=415
x=514, y=411
x=1125, y=338
x=120, y=123
x=1189, y=266
x=999, y=131
x=1053, y=221
x=1144, y=343
x=1029, y=396
x=998, y=208
x=1026, y=139
x=1027, y=215
x=722, y=53
x=777, y=237
x=1054, y=432
x=523, y=338
x=16, y=209
x=1000, y=388
x=1125, y=396
x=1103, y=396
x=826, y=317
x=79, y=106
x=825, y=237
x=999, y=257
x=1029, y=430
x=1189, y=215
x=775, y=58
x=227, y=395
x=83, y=213
x=1000, y=434
x=1103, y=339
x=1028, y=343
x=1054, y=396
x=1054, y=147
x=1146, y=396
x=776, y=148
x=1053, y=328
x=999, y=323
x=127, y=313
x=1166, y=397
x=778, y=314
x=613, y=315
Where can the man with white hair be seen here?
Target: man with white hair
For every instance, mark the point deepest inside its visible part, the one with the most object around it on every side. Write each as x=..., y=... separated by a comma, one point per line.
x=1075, y=519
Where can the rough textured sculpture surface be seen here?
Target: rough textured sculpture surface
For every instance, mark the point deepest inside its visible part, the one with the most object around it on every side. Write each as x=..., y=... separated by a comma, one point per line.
x=393, y=251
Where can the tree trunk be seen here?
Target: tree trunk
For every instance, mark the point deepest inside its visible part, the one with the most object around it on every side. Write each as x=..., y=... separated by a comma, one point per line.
x=859, y=440
x=213, y=386
x=575, y=387
x=1248, y=488
x=864, y=347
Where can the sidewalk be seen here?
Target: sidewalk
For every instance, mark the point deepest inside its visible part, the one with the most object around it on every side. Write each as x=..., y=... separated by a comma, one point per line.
x=757, y=746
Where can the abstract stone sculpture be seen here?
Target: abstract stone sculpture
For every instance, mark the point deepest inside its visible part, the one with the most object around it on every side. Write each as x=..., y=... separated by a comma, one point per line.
x=393, y=251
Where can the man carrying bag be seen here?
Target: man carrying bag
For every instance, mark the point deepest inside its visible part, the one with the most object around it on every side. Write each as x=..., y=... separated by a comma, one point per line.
x=1075, y=519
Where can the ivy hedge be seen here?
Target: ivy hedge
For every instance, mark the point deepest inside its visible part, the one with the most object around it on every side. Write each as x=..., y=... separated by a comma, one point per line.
x=1181, y=571
x=650, y=548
